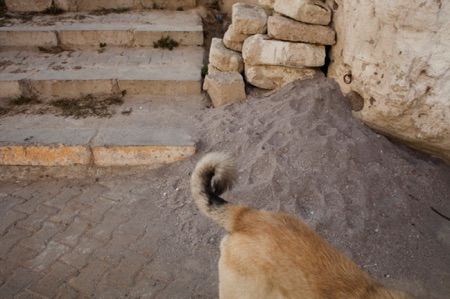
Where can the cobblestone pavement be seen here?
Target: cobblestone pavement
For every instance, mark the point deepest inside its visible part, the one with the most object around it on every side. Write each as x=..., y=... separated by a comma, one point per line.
x=80, y=238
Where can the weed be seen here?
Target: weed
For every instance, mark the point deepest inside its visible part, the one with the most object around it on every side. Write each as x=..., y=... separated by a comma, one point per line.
x=156, y=6
x=2, y=8
x=180, y=8
x=104, y=11
x=51, y=50
x=53, y=10
x=123, y=92
x=102, y=45
x=215, y=5
x=86, y=106
x=22, y=100
x=165, y=43
x=204, y=70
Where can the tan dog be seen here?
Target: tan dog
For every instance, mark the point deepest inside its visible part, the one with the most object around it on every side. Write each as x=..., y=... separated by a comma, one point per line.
x=273, y=255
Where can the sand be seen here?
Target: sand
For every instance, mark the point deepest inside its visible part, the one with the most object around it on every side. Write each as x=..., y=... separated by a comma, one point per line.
x=300, y=151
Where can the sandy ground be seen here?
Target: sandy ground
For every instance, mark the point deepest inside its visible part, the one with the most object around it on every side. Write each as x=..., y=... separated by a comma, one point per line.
x=299, y=151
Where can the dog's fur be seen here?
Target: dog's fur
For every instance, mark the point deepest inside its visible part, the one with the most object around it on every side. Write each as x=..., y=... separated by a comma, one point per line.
x=273, y=255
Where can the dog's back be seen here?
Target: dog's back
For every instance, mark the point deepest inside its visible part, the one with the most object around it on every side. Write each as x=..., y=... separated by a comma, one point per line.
x=273, y=255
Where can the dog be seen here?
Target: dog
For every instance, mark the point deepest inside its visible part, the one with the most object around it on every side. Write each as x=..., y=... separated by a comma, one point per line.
x=274, y=255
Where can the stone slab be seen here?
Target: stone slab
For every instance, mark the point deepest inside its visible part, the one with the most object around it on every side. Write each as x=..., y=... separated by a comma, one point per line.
x=137, y=29
x=282, y=28
x=307, y=11
x=224, y=59
x=273, y=77
x=260, y=50
x=45, y=147
x=89, y=5
x=225, y=87
x=77, y=73
x=249, y=18
x=27, y=5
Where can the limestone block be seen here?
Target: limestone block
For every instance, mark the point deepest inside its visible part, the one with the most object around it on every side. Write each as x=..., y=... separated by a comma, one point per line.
x=89, y=5
x=27, y=38
x=267, y=3
x=233, y=39
x=279, y=27
x=168, y=4
x=307, y=11
x=226, y=5
x=224, y=59
x=27, y=5
x=212, y=69
x=398, y=61
x=259, y=50
x=272, y=77
x=10, y=89
x=225, y=87
x=66, y=5
x=249, y=18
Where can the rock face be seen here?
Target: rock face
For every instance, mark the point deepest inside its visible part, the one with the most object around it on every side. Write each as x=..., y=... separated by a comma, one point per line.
x=395, y=55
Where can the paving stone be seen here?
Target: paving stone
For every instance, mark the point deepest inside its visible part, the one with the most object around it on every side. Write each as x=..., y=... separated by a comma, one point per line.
x=16, y=258
x=72, y=233
x=65, y=216
x=48, y=284
x=78, y=257
x=91, y=194
x=283, y=28
x=122, y=276
x=60, y=200
x=40, y=239
x=249, y=18
x=8, y=203
x=20, y=280
x=11, y=238
x=260, y=50
x=112, y=219
x=116, y=248
x=65, y=291
x=85, y=282
x=307, y=11
x=34, y=221
x=9, y=219
x=94, y=213
x=26, y=294
x=45, y=259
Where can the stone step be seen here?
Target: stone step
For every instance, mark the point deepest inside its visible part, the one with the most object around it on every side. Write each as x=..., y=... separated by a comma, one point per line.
x=155, y=132
x=92, y=5
x=77, y=73
x=74, y=30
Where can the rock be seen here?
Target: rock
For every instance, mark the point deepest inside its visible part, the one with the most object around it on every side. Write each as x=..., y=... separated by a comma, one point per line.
x=259, y=50
x=272, y=77
x=168, y=4
x=398, y=61
x=89, y=5
x=27, y=5
x=225, y=87
x=224, y=59
x=234, y=40
x=282, y=28
x=249, y=18
x=267, y=3
x=226, y=5
x=307, y=11
x=212, y=69
x=66, y=5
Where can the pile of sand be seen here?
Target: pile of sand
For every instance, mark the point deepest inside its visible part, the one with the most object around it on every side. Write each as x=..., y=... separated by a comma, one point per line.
x=300, y=151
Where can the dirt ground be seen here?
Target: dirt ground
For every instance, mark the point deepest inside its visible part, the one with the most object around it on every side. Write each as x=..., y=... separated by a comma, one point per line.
x=299, y=151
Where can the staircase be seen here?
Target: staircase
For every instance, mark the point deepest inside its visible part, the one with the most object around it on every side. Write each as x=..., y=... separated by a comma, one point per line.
x=98, y=54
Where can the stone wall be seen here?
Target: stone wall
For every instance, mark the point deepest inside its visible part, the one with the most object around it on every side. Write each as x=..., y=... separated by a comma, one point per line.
x=393, y=59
